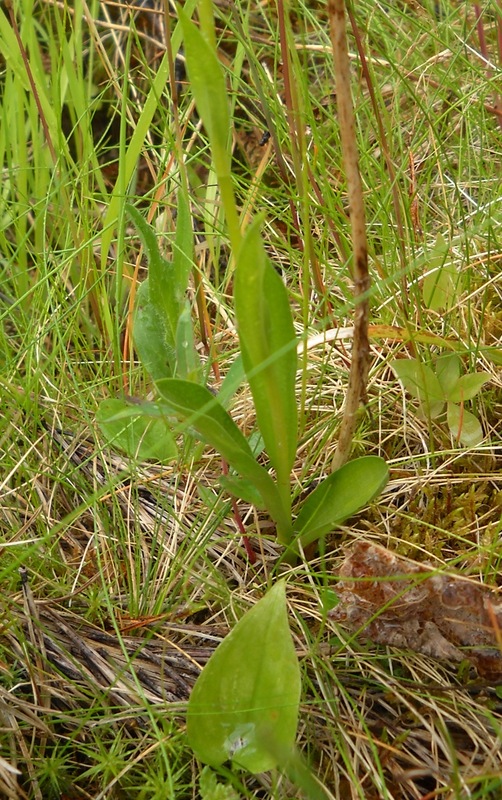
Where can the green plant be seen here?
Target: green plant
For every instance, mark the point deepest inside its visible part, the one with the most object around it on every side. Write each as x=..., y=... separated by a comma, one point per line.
x=442, y=284
x=101, y=551
x=440, y=385
x=268, y=344
x=244, y=706
x=211, y=789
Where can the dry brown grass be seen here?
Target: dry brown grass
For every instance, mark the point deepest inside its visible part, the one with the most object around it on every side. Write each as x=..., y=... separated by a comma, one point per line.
x=131, y=574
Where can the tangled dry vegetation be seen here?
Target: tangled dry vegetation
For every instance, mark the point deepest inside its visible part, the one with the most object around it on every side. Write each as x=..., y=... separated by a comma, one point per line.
x=119, y=579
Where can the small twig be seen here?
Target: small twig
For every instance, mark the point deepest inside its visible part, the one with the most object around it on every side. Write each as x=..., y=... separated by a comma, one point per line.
x=360, y=346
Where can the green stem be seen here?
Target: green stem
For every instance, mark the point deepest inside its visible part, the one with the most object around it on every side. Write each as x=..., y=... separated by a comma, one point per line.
x=279, y=510
x=230, y=206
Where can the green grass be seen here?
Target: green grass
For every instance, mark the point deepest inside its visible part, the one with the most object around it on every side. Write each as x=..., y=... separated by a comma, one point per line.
x=149, y=557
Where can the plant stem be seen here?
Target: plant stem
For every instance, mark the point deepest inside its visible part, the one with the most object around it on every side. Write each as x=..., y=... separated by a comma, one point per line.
x=360, y=346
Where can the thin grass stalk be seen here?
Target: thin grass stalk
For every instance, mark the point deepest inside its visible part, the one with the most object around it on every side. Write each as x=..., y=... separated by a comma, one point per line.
x=298, y=151
x=401, y=238
x=56, y=160
x=486, y=56
x=360, y=275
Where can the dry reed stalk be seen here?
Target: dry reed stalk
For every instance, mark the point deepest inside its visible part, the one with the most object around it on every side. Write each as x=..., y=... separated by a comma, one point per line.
x=360, y=346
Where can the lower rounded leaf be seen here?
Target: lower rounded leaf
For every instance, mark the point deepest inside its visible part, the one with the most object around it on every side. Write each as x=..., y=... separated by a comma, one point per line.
x=244, y=705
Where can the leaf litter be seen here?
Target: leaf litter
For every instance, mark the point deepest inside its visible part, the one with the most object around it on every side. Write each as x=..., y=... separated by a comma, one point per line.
x=395, y=601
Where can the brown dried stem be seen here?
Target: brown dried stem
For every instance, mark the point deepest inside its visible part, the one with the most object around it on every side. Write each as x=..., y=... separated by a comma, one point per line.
x=360, y=347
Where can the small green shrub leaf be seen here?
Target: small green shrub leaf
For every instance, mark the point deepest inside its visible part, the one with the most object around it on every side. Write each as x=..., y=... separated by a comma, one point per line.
x=268, y=347
x=244, y=705
x=339, y=496
x=127, y=427
x=151, y=338
x=468, y=386
x=421, y=382
x=442, y=283
x=211, y=789
x=448, y=370
x=464, y=426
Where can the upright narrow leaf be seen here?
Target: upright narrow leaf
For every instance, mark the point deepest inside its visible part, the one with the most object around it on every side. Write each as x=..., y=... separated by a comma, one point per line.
x=244, y=705
x=162, y=331
x=129, y=163
x=183, y=248
x=448, y=369
x=208, y=86
x=187, y=359
x=164, y=295
x=233, y=379
x=268, y=347
x=442, y=283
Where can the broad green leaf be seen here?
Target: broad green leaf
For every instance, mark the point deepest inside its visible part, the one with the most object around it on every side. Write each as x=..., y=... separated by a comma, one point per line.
x=244, y=705
x=207, y=81
x=468, y=386
x=442, y=283
x=421, y=382
x=201, y=410
x=448, y=370
x=268, y=347
x=244, y=490
x=464, y=426
x=339, y=496
x=151, y=338
x=187, y=360
x=128, y=428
